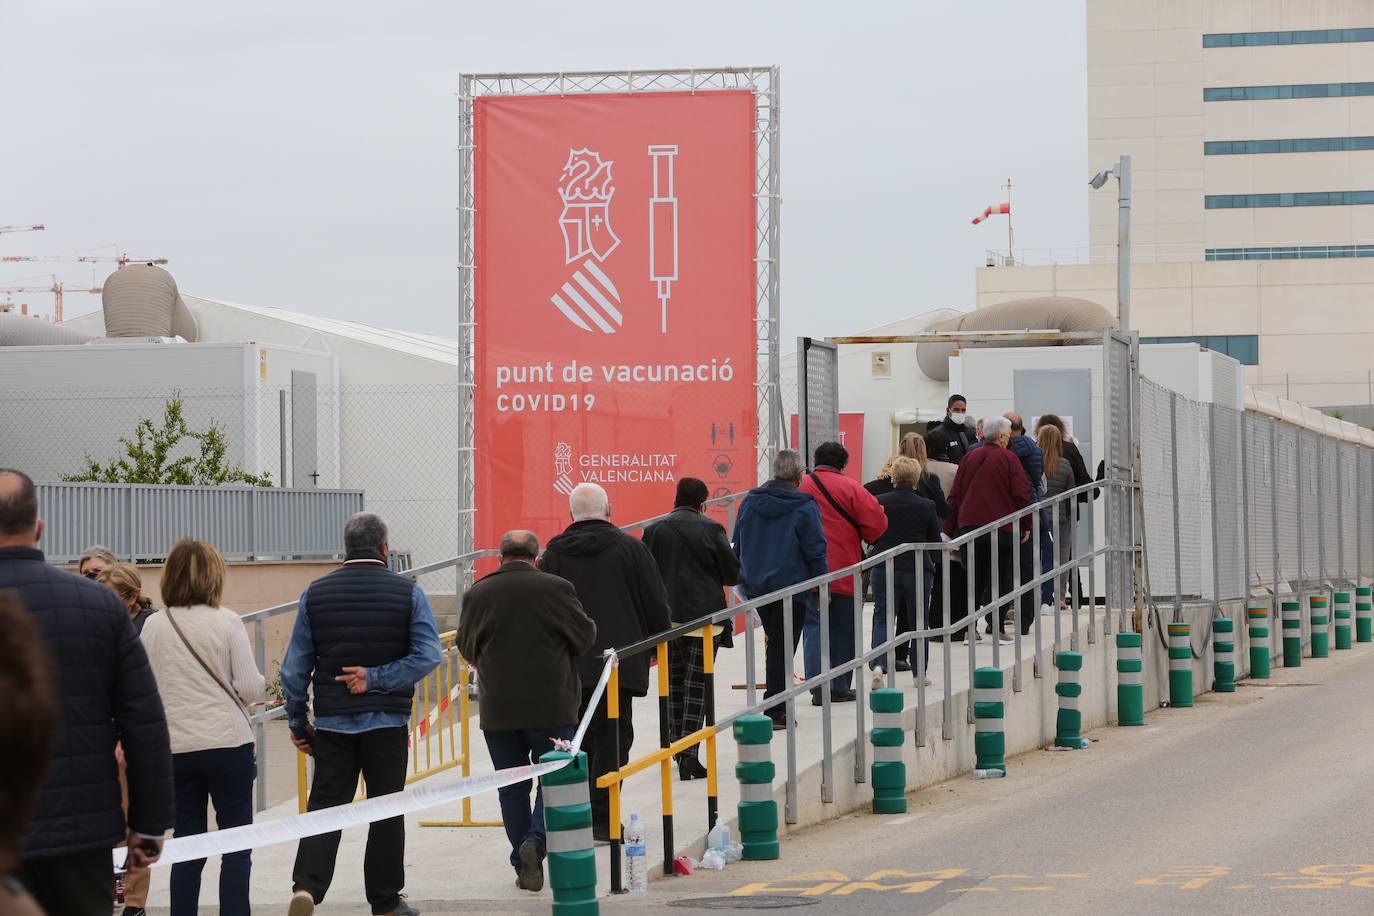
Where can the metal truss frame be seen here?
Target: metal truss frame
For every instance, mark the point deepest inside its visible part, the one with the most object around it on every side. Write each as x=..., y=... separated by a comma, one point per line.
x=764, y=83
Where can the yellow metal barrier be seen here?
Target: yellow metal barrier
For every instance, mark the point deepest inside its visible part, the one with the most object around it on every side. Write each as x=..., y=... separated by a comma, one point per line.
x=664, y=755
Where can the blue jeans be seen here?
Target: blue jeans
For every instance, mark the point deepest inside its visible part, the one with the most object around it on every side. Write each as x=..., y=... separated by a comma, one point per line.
x=225, y=776
x=841, y=638
x=514, y=748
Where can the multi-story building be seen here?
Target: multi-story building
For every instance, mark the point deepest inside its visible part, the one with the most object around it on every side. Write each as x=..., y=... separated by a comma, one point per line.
x=1250, y=124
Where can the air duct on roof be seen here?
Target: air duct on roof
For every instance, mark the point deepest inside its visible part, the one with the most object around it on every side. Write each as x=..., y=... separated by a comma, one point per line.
x=22, y=331
x=1044, y=313
x=141, y=300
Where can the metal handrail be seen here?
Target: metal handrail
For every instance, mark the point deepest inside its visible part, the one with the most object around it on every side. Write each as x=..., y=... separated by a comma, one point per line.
x=943, y=634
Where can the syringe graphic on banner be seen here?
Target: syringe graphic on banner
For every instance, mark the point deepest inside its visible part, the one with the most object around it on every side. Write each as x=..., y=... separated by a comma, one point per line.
x=663, y=225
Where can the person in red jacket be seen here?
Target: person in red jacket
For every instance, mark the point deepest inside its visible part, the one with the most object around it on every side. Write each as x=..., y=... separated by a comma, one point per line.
x=850, y=516
x=990, y=485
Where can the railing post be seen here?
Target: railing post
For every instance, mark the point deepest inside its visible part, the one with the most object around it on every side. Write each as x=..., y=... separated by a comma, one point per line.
x=665, y=766
x=259, y=730
x=859, y=674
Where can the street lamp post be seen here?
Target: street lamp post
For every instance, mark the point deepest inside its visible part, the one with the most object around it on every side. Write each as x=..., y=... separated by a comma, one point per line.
x=1122, y=170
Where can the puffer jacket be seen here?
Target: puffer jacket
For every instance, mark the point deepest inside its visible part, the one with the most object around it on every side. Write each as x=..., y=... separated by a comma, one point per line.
x=106, y=693
x=843, y=541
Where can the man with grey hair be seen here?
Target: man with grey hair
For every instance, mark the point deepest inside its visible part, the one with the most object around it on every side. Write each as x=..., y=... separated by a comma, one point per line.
x=364, y=636
x=524, y=630
x=990, y=485
x=619, y=586
x=780, y=542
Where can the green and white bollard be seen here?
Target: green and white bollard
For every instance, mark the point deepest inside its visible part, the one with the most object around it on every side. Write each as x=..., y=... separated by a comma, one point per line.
x=1223, y=655
x=1068, y=727
x=1180, y=665
x=758, y=813
x=568, y=826
x=1364, y=614
x=1130, y=680
x=1292, y=634
x=1259, y=640
x=1343, y=618
x=989, y=739
x=888, y=771
x=1321, y=626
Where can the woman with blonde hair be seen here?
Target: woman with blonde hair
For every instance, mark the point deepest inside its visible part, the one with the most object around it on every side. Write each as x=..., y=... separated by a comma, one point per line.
x=207, y=675
x=912, y=446
x=124, y=580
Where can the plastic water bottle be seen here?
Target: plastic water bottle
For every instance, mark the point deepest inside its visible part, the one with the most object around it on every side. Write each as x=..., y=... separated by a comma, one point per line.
x=636, y=857
x=719, y=837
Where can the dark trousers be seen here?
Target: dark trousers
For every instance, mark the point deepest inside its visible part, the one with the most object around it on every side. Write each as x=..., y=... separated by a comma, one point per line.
x=841, y=622
x=514, y=748
x=379, y=756
x=904, y=620
x=77, y=883
x=776, y=651
x=984, y=574
x=223, y=776
x=601, y=752
x=687, y=688
x=956, y=587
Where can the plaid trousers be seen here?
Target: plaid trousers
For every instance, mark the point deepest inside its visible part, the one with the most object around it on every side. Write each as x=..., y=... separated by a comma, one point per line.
x=686, y=688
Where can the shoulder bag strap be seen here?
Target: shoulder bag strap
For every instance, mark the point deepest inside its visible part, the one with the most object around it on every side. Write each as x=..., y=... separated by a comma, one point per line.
x=838, y=508
x=238, y=704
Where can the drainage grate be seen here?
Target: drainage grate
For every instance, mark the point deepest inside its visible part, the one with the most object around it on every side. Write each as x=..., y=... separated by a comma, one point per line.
x=763, y=902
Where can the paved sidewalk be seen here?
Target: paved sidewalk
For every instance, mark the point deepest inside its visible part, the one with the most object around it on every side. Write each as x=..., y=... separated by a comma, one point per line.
x=470, y=864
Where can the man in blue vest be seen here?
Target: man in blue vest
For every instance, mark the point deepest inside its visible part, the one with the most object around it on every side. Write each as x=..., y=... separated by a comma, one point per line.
x=363, y=637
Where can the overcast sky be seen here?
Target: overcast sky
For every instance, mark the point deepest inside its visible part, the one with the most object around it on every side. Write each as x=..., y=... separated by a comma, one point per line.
x=301, y=154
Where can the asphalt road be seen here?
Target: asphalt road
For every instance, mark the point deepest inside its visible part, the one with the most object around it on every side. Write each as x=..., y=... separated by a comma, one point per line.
x=1256, y=802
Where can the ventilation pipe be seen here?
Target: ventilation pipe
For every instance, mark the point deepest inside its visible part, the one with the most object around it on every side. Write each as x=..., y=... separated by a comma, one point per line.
x=22, y=331
x=141, y=300
x=1047, y=313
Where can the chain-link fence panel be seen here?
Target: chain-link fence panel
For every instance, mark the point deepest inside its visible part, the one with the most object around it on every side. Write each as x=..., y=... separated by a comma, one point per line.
x=1288, y=483
x=1348, y=510
x=1194, y=523
x=1260, y=493
x=1229, y=553
x=1157, y=486
x=1310, y=506
x=1366, y=516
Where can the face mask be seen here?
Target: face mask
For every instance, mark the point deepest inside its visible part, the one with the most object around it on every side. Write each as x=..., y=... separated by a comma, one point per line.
x=958, y=417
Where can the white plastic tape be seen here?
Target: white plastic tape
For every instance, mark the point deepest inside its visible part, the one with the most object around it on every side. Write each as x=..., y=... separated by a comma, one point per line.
x=426, y=794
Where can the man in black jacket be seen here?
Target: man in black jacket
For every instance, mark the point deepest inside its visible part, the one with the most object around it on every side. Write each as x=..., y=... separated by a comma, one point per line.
x=911, y=519
x=955, y=425
x=108, y=695
x=697, y=563
x=524, y=630
x=620, y=590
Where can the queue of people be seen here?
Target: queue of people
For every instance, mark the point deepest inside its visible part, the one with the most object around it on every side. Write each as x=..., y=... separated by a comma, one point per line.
x=156, y=712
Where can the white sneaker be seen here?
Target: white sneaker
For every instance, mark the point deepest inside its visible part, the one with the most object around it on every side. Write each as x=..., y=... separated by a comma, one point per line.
x=302, y=904
x=1005, y=640
x=878, y=682
x=1047, y=610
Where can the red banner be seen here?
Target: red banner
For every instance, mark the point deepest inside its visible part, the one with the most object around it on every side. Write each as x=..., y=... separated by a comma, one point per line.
x=615, y=338
x=851, y=437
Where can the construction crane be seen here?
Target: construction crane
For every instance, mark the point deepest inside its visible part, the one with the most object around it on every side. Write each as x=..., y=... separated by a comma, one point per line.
x=57, y=289
x=121, y=260
x=4, y=229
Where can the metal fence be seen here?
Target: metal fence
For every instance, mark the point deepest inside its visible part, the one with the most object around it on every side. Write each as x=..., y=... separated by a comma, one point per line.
x=1238, y=504
x=140, y=523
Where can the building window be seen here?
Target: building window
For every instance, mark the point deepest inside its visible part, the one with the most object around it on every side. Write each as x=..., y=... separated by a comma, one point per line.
x=1293, y=91
x=1290, y=253
x=1299, y=199
x=1244, y=348
x=1304, y=145
x=1266, y=39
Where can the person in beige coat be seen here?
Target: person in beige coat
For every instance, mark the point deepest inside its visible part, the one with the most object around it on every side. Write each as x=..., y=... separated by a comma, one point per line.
x=207, y=676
